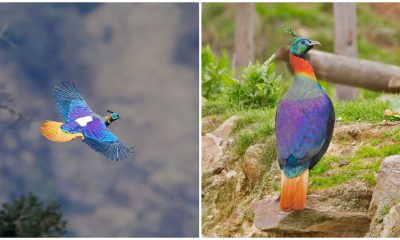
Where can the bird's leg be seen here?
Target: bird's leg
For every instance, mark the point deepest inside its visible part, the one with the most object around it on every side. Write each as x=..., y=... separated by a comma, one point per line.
x=278, y=197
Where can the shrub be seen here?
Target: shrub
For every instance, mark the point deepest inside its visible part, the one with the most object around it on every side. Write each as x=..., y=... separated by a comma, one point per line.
x=215, y=74
x=27, y=217
x=259, y=86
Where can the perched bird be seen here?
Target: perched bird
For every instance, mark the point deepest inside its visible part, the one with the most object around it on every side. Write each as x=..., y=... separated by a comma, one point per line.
x=81, y=122
x=304, y=122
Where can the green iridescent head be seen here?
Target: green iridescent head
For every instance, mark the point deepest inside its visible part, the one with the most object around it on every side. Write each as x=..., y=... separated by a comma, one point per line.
x=300, y=45
x=113, y=115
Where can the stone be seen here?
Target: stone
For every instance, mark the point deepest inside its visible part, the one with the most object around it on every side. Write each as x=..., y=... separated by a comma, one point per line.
x=391, y=222
x=252, y=165
x=215, y=144
x=213, y=149
x=386, y=193
x=209, y=124
x=225, y=129
x=343, y=163
x=317, y=220
x=215, y=168
x=341, y=211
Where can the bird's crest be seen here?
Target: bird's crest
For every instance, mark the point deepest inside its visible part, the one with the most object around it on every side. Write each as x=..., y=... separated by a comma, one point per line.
x=289, y=31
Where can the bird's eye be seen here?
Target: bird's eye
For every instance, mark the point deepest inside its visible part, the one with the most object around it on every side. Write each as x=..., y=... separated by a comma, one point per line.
x=304, y=42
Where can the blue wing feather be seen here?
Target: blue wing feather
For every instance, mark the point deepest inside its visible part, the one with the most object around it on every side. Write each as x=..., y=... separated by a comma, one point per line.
x=114, y=150
x=69, y=103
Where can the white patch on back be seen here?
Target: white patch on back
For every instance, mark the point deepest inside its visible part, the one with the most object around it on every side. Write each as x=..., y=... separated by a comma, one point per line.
x=83, y=121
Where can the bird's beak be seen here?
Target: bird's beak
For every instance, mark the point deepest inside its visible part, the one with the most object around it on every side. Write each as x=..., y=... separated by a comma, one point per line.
x=313, y=43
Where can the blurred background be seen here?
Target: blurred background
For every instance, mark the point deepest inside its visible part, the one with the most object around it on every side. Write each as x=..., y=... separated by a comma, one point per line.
x=137, y=59
x=253, y=32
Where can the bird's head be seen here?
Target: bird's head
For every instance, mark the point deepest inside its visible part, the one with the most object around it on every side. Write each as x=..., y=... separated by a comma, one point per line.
x=112, y=116
x=300, y=45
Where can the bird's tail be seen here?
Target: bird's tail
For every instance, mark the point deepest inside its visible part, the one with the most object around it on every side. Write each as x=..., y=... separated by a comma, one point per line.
x=52, y=131
x=294, y=192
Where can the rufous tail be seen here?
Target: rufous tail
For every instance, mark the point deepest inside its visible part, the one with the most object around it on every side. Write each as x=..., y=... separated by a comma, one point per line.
x=52, y=131
x=294, y=192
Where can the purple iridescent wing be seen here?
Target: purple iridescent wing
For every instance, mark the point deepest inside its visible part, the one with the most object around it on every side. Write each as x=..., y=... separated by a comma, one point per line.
x=102, y=140
x=69, y=103
x=303, y=129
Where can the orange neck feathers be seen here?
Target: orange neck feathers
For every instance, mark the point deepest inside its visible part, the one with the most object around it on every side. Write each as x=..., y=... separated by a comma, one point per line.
x=109, y=118
x=302, y=67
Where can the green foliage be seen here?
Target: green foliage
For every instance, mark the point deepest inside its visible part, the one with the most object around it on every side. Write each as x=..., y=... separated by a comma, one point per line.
x=26, y=216
x=215, y=73
x=259, y=87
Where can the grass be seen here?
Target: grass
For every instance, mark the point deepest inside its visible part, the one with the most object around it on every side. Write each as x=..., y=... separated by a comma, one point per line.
x=394, y=134
x=254, y=126
x=362, y=110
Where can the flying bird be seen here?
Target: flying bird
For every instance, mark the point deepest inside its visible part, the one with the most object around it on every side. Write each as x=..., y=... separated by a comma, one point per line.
x=79, y=121
x=304, y=122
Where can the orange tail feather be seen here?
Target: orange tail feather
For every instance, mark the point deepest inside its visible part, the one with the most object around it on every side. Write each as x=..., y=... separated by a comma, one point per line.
x=294, y=192
x=52, y=131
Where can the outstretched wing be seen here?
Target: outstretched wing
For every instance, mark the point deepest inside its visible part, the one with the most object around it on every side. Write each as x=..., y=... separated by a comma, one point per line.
x=69, y=103
x=102, y=140
x=115, y=150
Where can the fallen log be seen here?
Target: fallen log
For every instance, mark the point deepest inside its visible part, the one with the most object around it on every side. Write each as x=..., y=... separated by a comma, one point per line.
x=350, y=71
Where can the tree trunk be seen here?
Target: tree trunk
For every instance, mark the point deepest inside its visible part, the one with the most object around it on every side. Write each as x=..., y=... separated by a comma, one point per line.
x=350, y=71
x=244, y=34
x=345, y=41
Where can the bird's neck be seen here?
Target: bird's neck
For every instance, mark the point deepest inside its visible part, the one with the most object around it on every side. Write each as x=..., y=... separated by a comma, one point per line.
x=107, y=120
x=302, y=67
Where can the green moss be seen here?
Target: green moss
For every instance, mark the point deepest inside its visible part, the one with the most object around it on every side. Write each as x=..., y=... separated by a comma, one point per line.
x=385, y=210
